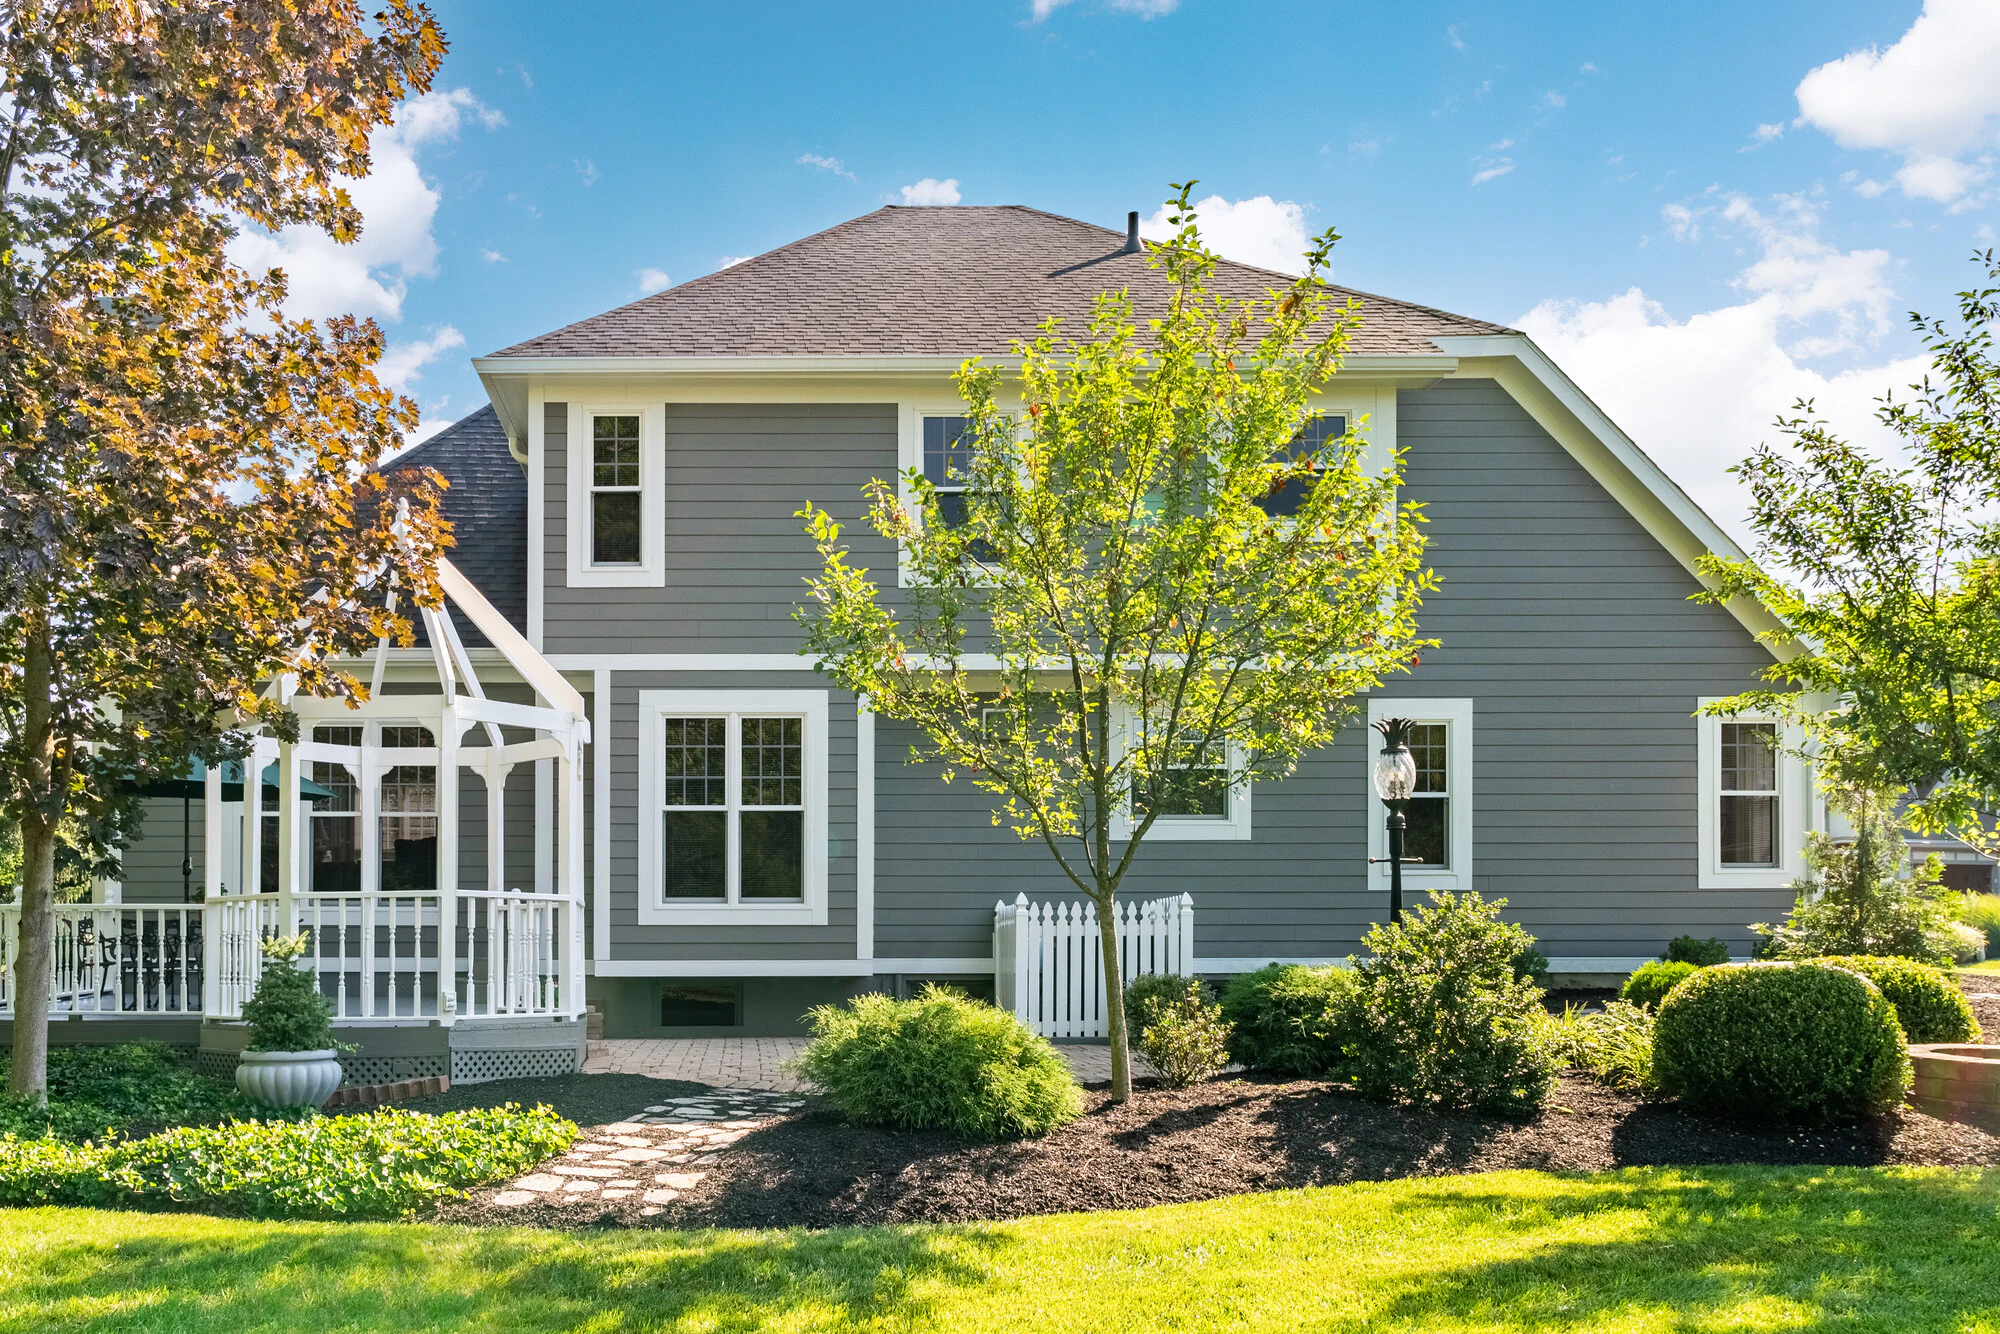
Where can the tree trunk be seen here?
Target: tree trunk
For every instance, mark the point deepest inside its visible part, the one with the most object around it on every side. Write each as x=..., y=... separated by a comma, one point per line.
x=1114, y=1002
x=28, y=1076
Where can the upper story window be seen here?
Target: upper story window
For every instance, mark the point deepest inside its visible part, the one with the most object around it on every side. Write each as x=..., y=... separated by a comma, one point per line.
x=948, y=466
x=1318, y=432
x=616, y=499
x=1754, y=803
x=1438, y=818
x=733, y=801
x=616, y=511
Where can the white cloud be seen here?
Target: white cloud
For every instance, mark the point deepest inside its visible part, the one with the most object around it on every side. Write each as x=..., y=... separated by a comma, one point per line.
x=370, y=275
x=1553, y=98
x=1762, y=135
x=653, y=280
x=588, y=170
x=1269, y=233
x=1491, y=169
x=402, y=363
x=731, y=261
x=1368, y=147
x=932, y=191
x=1451, y=36
x=1145, y=9
x=1588, y=67
x=831, y=164
x=1931, y=97
x=492, y=256
x=1699, y=394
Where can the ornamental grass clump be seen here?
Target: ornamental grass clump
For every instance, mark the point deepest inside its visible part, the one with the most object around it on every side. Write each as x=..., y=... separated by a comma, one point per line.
x=1613, y=1045
x=1781, y=1042
x=1929, y=1005
x=1184, y=1036
x=1650, y=982
x=1291, y=1020
x=385, y=1164
x=1444, y=1021
x=941, y=1061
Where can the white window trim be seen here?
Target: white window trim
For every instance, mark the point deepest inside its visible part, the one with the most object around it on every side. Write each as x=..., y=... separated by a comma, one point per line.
x=650, y=572
x=1456, y=715
x=1236, y=827
x=910, y=456
x=1794, y=807
x=655, y=705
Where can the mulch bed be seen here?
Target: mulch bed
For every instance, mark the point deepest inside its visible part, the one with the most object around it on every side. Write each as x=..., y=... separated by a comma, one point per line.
x=1982, y=992
x=1222, y=1138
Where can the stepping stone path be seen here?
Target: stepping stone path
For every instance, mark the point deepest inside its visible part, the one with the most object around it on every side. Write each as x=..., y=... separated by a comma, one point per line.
x=655, y=1154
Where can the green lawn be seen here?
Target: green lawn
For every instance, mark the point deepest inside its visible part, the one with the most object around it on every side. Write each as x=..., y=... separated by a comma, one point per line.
x=1725, y=1249
x=1990, y=966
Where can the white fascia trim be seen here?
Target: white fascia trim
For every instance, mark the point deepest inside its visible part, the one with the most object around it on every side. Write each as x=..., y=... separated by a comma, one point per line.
x=537, y=520
x=733, y=968
x=977, y=964
x=1600, y=963
x=1633, y=479
x=916, y=364
x=681, y=662
x=864, y=829
x=651, y=571
x=813, y=707
x=1795, y=801
x=600, y=815
x=1456, y=714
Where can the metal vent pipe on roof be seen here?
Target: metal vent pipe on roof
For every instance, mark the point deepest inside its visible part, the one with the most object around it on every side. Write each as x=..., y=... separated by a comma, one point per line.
x=1131, y=233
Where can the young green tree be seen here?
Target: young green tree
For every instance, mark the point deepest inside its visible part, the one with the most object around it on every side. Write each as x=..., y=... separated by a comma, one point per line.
x=1158, y=589
x=185, y=506
x=1885, y=575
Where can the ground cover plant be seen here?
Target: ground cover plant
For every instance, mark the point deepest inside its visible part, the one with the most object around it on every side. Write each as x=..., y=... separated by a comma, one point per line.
x=1290, y=1019
x=1781, y=1042
x=382, y=1165
x=1650, y=982
x=1929, y=1005
x=1443, y=1018
x=939, y=1061
x=1745, y=1249
x=1704, y=952
x=131, y=1089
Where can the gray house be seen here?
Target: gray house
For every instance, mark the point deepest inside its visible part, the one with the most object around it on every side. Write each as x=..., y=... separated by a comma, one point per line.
x=752, y=845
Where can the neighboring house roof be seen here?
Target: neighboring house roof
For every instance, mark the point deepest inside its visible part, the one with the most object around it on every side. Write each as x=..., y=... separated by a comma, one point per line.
x=931, y=281
x=487, y=505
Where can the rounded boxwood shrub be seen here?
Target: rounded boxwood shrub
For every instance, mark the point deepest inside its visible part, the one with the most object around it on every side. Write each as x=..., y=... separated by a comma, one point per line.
x=1780, y=1042
x=1147, y=990
x=1703, y=953
x=941, y=1061
x=1444, y=1021
x=1650, y=982
x=1289, y=1019
x=1928, y=1003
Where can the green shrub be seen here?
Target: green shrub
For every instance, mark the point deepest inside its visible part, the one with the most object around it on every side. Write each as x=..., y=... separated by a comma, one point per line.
x=1444, y=1021
x=1290, y=1020
x=1650, y=982
x=1704, y=953
x=1966, y=943
x=1863, y=897
x=1185, y=1038
x=1531, y=965
x=939, y=1062
x=131, y=1089
x=384, y=1164
x=286, y=1012
x=1780, y=1042
x=1981, y=912
x=1928, y=1003
x=1149, y=989
x=1613, y=1045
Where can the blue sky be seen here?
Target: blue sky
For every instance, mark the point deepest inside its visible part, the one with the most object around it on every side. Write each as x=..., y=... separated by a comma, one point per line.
x=1700, y=209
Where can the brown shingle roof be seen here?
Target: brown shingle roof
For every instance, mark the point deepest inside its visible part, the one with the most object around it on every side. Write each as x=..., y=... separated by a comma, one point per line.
x=954, y=281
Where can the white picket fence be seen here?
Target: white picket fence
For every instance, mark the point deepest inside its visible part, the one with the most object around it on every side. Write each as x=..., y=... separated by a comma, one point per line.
x=1047, y=958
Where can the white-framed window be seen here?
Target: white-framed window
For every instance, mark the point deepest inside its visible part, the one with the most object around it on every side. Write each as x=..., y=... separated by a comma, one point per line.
x=1755, y=803
x=1323, y=428
x=1198, y=803
x=616, y=478
x=733, y=806
x=1438, y=827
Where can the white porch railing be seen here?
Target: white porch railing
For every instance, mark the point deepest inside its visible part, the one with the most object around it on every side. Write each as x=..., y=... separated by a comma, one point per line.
x=141, y=960
x=1047, y=958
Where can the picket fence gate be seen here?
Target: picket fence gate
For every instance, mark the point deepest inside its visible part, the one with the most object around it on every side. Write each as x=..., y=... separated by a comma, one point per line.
x=1047, y=958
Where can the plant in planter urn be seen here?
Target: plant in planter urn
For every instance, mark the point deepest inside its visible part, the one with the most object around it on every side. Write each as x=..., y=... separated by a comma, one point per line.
x=293, y=1059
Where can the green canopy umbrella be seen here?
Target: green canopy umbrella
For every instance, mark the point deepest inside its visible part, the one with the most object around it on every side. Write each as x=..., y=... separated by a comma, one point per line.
x=192, y=782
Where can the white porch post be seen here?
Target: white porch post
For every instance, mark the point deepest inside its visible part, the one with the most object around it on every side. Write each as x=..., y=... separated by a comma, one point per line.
x=447, y=855
x=291, y=848
x=569, y=853
x=211, y=907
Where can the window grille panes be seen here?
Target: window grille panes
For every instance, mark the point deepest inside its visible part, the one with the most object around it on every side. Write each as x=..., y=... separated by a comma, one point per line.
x=694, y=768
x=774, y=761
x=336, y=820
x=407, y=736
x=615, y=451
x=1427, y=817
x=1187, y=792
x=409, y=826
x=616, y=501
x=1314, y=437
x=1748, y=817
x=947, y=451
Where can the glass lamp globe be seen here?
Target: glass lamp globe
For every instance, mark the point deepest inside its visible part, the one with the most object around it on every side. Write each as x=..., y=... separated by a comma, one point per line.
x=1395, y=774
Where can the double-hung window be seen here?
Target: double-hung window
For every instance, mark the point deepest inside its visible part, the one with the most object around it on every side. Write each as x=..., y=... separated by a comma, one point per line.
x=1753, y=798
x=616, y=510
x=1195, y=800
x=409, y=815
x=1318, y=433
x=948, y=467
x=1437, y=818
x=733, y=805
x=336, y=820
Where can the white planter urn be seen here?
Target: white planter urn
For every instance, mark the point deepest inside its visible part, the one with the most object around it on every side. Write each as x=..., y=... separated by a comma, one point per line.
x=288, y=1078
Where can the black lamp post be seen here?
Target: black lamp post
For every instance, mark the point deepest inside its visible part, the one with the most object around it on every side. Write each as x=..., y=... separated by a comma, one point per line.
x=1395, y=779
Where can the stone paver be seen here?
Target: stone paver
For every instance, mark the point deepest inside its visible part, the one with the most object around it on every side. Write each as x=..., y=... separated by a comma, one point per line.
x=756, y=1063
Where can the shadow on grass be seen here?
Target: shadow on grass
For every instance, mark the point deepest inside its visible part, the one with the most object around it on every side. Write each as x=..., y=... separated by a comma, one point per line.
x=303, y=1278
x=1791, y=1248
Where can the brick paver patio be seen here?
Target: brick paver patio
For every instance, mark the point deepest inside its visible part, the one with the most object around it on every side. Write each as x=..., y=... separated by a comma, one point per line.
x=755, y=1063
